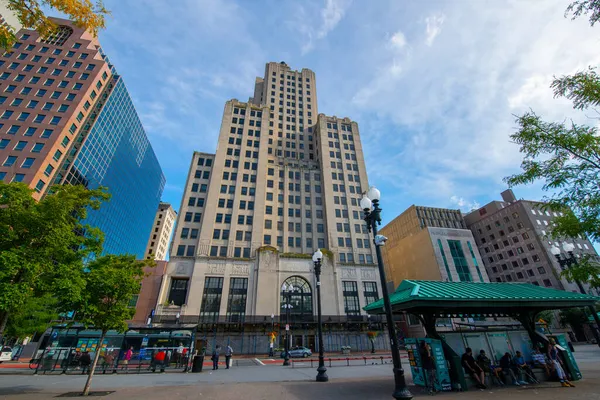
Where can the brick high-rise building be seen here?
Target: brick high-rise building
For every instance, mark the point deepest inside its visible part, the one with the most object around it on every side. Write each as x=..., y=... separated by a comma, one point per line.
x=284, y=181
x=66, y=117
x=513, y=239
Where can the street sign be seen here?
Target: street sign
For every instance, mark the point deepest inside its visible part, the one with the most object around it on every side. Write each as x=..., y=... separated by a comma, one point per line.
x=287, y=327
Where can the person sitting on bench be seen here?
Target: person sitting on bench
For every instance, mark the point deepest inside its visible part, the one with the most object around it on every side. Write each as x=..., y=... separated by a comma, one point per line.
x=507, y=368
x=471, y=368
x=539, y=360
x=486, y=364
x=522, y=367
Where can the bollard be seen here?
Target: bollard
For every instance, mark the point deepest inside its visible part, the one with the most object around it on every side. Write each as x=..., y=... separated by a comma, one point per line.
x=365, y=360
x=347, y=361
x=329, y=362
x=381, y=359
x=311, y=362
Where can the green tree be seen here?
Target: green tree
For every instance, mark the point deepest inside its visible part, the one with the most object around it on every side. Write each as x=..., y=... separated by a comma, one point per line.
x=580, y=7
x=33, y=317
x=83, y=13
x=110, y=283
x=43, y=243
x=575, y=317
x=547, y=316
x=565, y=156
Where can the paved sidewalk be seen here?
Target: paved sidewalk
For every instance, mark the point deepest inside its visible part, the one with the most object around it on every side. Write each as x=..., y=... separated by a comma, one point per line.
x=277, y=382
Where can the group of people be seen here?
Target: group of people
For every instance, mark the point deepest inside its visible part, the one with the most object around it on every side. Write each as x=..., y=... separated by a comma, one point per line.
x=163, y=357
x=215, y=356
x=514, y=367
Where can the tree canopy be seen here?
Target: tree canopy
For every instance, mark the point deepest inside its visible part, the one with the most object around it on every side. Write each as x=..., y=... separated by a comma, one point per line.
x=84, y=13
x=111, y=281
x=43, y=243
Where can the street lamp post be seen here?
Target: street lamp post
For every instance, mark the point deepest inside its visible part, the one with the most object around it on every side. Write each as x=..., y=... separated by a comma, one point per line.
x=322, y=371
x=287, y=292
x=370, y=205
x=567, y=262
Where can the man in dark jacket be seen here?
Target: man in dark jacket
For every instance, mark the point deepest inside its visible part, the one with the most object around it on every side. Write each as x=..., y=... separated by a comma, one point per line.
x=215, y=357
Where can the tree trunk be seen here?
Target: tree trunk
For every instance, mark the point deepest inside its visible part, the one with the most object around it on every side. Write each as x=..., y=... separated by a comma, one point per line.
x=88, y=383
x=3, y=322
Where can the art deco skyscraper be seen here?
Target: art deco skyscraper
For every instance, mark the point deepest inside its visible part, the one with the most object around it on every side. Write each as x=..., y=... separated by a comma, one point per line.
x=284, y=181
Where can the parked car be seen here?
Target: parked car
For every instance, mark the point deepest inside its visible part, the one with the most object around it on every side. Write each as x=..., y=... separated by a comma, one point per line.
x=5, y=354
x=298, y=351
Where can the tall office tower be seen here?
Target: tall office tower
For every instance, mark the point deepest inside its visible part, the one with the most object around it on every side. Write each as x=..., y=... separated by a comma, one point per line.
x=67, y=117
x=512, y=236
x=284, y=181
x=431, y=244
x=164, y=222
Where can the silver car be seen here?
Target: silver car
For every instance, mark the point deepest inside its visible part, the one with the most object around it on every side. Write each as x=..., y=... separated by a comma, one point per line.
x=298, y=351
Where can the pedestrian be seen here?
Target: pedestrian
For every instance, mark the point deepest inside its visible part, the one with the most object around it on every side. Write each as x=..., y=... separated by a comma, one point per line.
x=555, y=360
x=539, y=360
x=127, y=358
x=228, y=354
x=179, y=354
x=159, y=360
x=215, y=357
x=85, y=362
x=486, y=364
x=508, y=368
x=473, y=369
x=428, y=365
x=109, y=362
x=523, y=368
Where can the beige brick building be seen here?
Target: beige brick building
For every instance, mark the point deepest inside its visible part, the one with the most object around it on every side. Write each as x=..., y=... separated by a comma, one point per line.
x=164, y=222
x=284, y=181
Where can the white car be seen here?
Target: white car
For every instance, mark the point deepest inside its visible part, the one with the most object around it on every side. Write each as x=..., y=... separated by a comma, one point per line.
x=5, y=354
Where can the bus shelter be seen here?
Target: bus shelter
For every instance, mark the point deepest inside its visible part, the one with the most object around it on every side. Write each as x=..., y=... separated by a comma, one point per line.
x=430, y=300
x=62, y=347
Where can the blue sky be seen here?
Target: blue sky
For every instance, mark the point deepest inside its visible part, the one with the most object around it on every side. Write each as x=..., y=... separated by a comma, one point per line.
x=432, y=85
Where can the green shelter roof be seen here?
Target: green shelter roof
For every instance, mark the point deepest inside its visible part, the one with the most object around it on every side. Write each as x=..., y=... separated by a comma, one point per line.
x=452, y=297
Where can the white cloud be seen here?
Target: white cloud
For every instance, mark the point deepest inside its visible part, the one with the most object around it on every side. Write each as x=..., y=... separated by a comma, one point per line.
x=398, y=40
x=464, y=205
x=329, y=16
x=449, y=112
x=433, y=27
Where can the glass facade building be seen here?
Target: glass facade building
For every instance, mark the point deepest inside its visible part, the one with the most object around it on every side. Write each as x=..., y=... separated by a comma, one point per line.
x=117, y=154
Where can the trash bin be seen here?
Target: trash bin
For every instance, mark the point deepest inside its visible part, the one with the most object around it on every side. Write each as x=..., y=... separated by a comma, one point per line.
x=197, y=363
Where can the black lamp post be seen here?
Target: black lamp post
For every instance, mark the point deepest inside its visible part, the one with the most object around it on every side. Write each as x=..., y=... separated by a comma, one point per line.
x=566, y=262
x=322, y=371
x=287, y=293
x=370, y=204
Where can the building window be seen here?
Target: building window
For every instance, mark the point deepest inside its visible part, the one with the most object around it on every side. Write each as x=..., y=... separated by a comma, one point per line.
x=351, y=300
x=460, y=262
x=371, y=294
x=211, y=299
x=236, y=303
x=445, y=260
x=301, y=298
x=178, y=291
